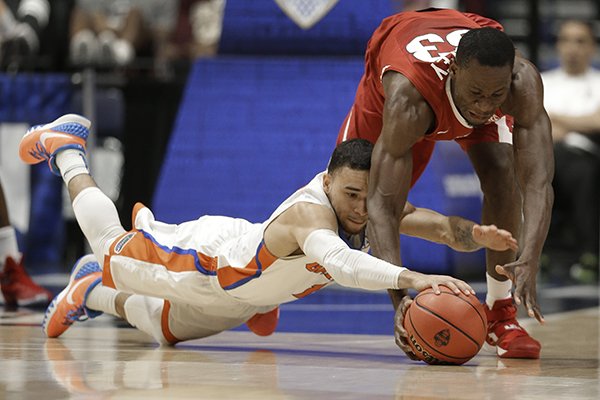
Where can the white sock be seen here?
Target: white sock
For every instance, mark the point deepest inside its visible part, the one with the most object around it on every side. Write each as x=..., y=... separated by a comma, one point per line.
x=102, y=298
x=71, y=162
x=497, y=290
x=8, y=244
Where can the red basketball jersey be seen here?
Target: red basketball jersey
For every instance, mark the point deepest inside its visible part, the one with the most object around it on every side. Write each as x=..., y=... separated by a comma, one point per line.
x=420, y=45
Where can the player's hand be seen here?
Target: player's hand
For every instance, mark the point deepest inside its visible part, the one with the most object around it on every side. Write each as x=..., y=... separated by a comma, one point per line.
x=523, y=275
x=419, y=281
x=491, y=237
x=400, y=334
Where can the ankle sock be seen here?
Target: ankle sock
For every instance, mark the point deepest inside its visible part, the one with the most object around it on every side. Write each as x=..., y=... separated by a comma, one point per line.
x=497, y=290
x=71, y=162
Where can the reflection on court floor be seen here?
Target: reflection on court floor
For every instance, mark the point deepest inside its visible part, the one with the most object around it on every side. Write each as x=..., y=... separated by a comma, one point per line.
x=105, y=359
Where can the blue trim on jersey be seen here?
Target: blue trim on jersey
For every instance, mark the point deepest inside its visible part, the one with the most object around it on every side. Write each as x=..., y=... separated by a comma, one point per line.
x=179, y=250
x=256, y=275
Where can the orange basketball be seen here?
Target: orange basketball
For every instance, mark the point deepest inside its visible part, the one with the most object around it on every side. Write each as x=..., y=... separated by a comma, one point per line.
x=445, y=328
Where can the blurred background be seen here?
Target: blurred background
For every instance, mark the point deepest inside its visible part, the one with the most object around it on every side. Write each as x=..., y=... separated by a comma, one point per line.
x=228, y=106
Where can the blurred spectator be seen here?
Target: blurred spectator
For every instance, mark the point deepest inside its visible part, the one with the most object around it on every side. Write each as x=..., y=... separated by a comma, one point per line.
x=21, y=22
x=197, y=32
x=572, y=99
x=115, y=32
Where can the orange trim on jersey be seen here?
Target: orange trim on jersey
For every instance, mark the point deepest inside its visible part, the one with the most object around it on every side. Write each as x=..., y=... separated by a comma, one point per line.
x=164, y=323
x=141, y=246
x=107, y=279
x=136, y=208
x=310, y=290
x=232, y=277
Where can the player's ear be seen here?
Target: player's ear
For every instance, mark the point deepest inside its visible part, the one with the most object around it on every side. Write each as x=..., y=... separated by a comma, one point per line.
x=453, y=67
x=326, y=183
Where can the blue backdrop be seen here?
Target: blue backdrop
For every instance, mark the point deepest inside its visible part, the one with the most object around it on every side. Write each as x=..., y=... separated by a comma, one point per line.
x=252, y=130
x=254, y=126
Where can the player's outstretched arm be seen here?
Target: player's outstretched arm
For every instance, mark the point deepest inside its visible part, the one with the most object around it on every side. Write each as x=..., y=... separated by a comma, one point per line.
x=456, y=232
x=534, y=159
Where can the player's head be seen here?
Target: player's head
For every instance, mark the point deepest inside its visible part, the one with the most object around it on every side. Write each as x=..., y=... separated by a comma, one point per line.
x=576, y=45
x=482, y=73
x=346, y=183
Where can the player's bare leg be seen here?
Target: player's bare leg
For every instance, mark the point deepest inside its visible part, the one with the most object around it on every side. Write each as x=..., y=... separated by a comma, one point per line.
x=494, y=164
x=79, y=183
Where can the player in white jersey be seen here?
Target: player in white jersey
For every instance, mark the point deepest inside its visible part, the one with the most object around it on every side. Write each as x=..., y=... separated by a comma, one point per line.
x=178, y=282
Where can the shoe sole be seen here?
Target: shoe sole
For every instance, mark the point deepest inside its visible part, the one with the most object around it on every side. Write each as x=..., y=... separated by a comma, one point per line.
x=52, y=308
x=40, y=299
x=489, y=349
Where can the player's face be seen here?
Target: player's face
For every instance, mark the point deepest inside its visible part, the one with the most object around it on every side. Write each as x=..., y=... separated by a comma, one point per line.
x=478, y=91
x=576, y=47
x=347, y=192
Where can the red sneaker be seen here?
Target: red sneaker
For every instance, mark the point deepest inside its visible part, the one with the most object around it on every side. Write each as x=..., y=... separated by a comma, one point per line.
x=264, y=324
x=17, y=287
x=505, y=333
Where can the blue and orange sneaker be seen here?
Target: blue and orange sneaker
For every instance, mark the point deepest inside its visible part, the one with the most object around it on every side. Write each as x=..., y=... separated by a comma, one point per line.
x=43, y=142
x=69, y=305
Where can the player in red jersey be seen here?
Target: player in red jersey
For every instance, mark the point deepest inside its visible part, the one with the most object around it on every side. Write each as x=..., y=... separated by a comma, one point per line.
x=421, y=86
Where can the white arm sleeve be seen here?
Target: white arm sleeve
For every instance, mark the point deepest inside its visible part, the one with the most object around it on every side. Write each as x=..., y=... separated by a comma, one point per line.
x=350, y=267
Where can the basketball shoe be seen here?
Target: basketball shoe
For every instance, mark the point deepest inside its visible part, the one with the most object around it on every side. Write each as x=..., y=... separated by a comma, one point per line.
x=69, y=305
x=264, y=324
x=43, y=142
x=505, y=333
x=18, y=288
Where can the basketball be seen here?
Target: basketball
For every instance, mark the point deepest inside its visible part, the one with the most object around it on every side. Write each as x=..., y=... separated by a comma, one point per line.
x=445, y=328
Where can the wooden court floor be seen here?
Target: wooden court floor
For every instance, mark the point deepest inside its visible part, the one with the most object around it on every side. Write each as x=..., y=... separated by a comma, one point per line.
x=99, y=360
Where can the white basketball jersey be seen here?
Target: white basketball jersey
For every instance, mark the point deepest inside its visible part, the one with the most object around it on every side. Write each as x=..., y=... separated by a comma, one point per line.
x=231, y=252
x=275, y=280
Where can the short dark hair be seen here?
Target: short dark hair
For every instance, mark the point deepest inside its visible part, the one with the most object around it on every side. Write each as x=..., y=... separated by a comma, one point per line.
x=489, y=46
x=354, y=154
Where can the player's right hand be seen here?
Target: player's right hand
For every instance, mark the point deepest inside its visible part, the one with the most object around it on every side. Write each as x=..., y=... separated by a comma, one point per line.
x=400, y=334
x=419, y=281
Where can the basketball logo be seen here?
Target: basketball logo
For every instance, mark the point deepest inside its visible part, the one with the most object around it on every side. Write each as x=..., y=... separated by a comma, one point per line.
x=442, y=338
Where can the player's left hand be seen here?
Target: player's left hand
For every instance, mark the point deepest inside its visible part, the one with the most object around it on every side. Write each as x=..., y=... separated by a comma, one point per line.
x=523, y=274
x=491, y=237
x=400, y=334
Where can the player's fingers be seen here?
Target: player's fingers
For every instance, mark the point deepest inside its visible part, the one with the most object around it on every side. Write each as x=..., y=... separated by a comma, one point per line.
x=533, y=309
x=452, y=286
x=465, y=287
x=436, y=288
x=518, y=295
x=404, y=304
x=503, y=270
x=402, y=342
x=538, y=314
